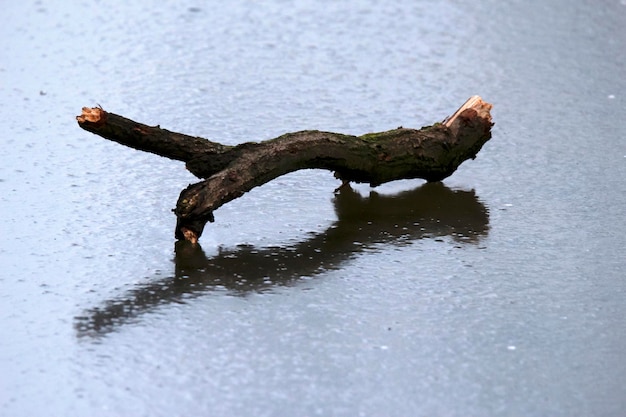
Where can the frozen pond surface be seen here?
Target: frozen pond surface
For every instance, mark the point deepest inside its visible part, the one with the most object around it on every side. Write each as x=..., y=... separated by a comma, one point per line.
x=500, y=292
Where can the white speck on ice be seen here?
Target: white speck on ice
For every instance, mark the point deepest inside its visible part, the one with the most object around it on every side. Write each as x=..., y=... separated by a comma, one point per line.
x=511, y=347
x=611, y=96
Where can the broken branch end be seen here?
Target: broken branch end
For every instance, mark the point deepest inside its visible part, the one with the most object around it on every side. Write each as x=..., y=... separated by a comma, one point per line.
x=92, y=115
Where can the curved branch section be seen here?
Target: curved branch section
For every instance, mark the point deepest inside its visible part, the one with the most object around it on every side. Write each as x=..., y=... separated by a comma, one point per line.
x=432, y=153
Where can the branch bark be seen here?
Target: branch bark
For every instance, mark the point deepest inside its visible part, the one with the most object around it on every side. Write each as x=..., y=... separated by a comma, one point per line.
x=431, y=153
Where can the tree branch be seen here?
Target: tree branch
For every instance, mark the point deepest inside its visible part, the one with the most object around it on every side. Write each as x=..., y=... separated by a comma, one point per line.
x=432, y=153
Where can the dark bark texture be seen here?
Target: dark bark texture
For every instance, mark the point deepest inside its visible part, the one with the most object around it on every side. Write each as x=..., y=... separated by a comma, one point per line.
x=431, y=153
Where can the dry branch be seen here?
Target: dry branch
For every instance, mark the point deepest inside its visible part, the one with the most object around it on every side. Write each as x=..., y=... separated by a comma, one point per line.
x=432, y=153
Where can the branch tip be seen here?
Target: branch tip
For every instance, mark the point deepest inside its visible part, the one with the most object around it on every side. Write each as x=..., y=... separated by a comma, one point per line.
x=478, y=108
x=92, y=115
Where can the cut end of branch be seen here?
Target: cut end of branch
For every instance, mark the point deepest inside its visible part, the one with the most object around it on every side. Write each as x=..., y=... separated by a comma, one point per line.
x=472, y=108
x=92, y=115
x=190, y=235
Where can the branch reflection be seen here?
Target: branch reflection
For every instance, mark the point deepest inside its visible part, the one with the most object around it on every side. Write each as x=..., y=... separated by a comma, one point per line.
x=363, y=224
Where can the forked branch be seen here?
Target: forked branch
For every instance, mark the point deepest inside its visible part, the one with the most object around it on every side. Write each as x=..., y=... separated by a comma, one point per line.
x=432, y=153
